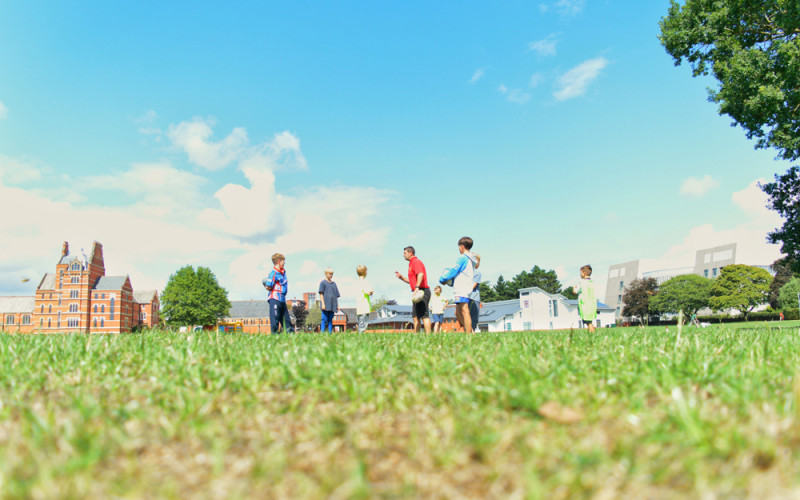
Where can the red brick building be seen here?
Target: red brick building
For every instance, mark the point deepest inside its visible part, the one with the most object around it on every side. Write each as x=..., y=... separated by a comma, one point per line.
x=79, y=297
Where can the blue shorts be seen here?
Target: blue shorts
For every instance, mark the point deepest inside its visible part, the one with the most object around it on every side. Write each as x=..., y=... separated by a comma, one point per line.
x=437, y=318
x=461, y=300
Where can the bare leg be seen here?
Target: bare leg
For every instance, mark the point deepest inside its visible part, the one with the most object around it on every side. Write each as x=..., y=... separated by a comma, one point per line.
x=416, y=325
x=467, y=319
x=427, y=323
x=591, y=327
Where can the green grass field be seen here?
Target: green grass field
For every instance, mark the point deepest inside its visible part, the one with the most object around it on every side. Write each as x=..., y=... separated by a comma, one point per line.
x=623, y=413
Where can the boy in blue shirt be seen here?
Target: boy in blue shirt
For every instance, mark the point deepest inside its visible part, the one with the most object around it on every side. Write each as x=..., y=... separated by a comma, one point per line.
x=463, y=278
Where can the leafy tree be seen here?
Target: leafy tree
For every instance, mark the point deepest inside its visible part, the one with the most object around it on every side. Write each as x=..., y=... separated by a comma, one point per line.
x=546, y=280
x=784, y=196
x=194, y=298
x=688, y=293
x=487, y=292
x=789, y=294
x=783, y=274
x=636, y=298
x=504, y=289
x=300, y=314
x=752, y=49
x=314, y=318
x=740, y=287
x=568, y=293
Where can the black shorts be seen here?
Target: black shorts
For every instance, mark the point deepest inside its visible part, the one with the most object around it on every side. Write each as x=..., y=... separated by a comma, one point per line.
x=420, y=309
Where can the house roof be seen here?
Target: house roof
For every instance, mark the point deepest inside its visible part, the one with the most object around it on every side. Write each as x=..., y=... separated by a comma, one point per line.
x=600, y=305
x=249, y=309
x=144, y=296
x=493, y=311
x=350, y=312
x=17, y=304
x=110, y=282
x=48, y=282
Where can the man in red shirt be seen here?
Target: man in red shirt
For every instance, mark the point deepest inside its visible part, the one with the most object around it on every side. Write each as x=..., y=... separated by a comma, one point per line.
x=418, y=280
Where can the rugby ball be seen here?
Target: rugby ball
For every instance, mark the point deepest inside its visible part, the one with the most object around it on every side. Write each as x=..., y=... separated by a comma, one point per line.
x=445, y=272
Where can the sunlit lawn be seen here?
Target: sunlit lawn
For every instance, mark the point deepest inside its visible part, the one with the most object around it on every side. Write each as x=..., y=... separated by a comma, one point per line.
x=624, y=413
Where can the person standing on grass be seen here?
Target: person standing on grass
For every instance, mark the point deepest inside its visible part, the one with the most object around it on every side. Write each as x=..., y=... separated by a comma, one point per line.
x=328, y=300
x=417, y=280
x=362, y=300
x=437, y=304
x=587, y=302
x=277, y=284
x=463, y=276
x=475, y=295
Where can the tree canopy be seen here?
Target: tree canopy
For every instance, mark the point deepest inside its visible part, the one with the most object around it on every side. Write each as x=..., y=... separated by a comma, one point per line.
x=784, y=196
x=547, y=280
x=636, y=298
x=783, y=274
x=688, y=293
x=194, y=298
x=740, y=287
x=788, y=296
x=300, y=314
x=751, y=47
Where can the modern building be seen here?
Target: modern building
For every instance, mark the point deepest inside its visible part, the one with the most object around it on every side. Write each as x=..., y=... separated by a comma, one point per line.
x=79, y=297
x=708, y=262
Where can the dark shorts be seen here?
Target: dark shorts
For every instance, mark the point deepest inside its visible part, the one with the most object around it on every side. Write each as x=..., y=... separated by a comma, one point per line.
x=420, y=309
x=587, y=321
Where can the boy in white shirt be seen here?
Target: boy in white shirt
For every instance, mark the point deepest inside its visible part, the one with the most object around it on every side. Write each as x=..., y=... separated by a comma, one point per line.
x=437, y=304
x=362, y=300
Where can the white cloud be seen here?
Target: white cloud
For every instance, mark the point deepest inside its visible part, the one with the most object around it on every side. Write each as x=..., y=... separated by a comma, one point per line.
x=194, y=138
x=479, y=73
x=163, y=218
x=569, y=7
x=535, y=80
x=3, y=111
x=545, y=47
x=574, y=82
x=514, y=95
x=698, y=186
x=17, y=171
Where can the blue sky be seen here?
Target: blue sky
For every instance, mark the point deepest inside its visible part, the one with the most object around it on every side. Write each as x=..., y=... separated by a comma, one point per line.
x=555, y=133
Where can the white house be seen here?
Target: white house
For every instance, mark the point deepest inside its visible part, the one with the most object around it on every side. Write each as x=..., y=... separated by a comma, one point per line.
x=540, y=310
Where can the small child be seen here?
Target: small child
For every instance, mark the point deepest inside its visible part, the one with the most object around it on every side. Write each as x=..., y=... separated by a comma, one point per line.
x=462, y=275
x=362, y=300
x=587, y=302
x=277, y=284
x=329, y=300
x=437, y=309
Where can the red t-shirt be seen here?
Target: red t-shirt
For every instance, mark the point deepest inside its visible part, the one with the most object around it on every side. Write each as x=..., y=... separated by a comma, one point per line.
x=415, y=266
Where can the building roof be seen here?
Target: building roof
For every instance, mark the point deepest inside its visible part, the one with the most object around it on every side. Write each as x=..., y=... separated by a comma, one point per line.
x=249, y=309
x=350, y=312
x=600, y=305
x=110, y=282
x=17, y=304
x=144, y=296
x=493, y=311
x=48, y=282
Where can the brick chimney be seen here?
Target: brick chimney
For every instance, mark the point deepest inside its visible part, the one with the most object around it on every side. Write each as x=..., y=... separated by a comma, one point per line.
x=65, y=249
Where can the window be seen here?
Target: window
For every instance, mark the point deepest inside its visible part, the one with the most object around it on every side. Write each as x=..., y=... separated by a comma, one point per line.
x=706, y=258
x=75, y=279
x=102, y=323
x=41, y=309
x=73, y=294
x=59, y=300
x=111, y=309
x=94, y=323
x=705, y=273
x=553, y=307
x=723, y=255
x=526, y=326
x=73, y=308
x=714, y=272
x=622, y=272
x=50, y=309
x=75, y=267
x=613, y=273
x=10, y=319
x=617, y=311
x=508, y=327
x=621, y=285
x=103, y=308
x=41, y=322
x=144, y=315
x=73, y=322
x=95, y=308
x=48, y=322
x=619, y=299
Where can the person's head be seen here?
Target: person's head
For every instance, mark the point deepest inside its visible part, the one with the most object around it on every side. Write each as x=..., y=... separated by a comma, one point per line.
x=478, y=258
x=465, y=244
x=409, y=252
x=437, y=290
x=278, y=260
x=586, y=271
x=329, y=273
x=361, y=270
